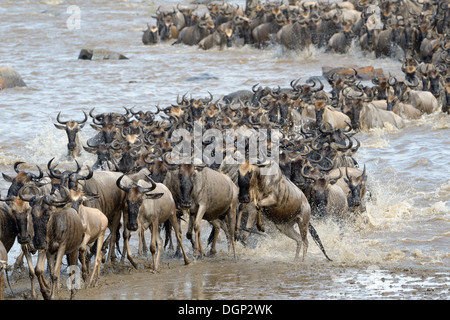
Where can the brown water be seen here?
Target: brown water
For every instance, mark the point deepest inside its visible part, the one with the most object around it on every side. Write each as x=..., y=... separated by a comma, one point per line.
x=400, y=250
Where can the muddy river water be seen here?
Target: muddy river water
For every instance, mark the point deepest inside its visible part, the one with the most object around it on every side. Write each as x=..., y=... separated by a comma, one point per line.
x=398, y=250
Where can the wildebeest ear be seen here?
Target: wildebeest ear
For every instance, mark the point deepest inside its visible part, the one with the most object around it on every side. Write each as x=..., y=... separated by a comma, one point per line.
x=60, y=127
x=346, y=180
x=153, y=196
x=7, y=178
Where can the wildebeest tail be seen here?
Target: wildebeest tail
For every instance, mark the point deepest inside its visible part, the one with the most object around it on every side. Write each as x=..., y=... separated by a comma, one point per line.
x=316, y=238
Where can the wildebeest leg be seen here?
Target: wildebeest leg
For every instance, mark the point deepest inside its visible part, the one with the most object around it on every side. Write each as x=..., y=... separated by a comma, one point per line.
x=190, y=228
x=19, y=261
x=251, y=212
x=126, y=247
x=258, y=220
x=288, y=230
x=113, y=227
x=56, y=270
x=303, y=227
x=215, y=235
x=142, y=245
x=72, y=260
x=198, y=250
x=83, y=245
x=176, y=227
x=98, y=259
x=31, y=273
x=155, y=244
x=231, y=216
x=39, y=271
x=268, y=201
x=168, y=237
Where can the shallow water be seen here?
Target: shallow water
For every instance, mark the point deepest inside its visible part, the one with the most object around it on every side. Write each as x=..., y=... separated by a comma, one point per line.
x=399, y=251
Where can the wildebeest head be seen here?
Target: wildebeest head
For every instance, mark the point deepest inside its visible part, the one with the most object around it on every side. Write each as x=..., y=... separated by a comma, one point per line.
x=22, y=178
x=186, y=176
x=20, y=211
x=42, y=207
x=357, y=188
x=72, y=128
x=150, y=35
x=245, y=175
x=68, y=179
x=319, y=191
x=136, y=194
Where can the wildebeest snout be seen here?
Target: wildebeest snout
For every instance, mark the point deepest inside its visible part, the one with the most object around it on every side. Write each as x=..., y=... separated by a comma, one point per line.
x=245, y=198
x=132, y=226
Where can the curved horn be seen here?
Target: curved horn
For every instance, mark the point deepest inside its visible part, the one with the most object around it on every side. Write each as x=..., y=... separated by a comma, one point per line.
x=306, y=175
x=85, y=118
x=120, y=186
x=59, y=120
x=16, y=164
x=28, y=197
x=81, y=177
x=148, y=189
x=52, y=171
x=334, y=180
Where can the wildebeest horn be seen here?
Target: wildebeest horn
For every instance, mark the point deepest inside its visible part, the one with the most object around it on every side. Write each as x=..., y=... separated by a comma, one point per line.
x=170, y=166
x=313, y=88
x=120, y=186
x=294, y=85
x=59, y=120
x=16, y=164
x=253, y=88
x=32, y=175
x=307, y=176
x=148, y=189
x=51, y=171
x=27, y=197
x=208, y=100
x=413, y=84
x=81, y=177
x=334, y=180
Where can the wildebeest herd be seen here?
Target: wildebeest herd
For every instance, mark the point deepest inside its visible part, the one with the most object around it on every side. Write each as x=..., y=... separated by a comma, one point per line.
x=419, y=29
x=284, y=154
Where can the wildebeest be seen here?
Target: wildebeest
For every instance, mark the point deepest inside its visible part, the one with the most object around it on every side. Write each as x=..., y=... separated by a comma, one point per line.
x=72, y=128
x=295, y=35
x=340, y=42
x=57, y=232
x=204, y=193
x=8, y=227
x=281, y=201
x=21, y=179
x=150, y=35
x=193, y=34
x=20, y=210
x=327, y=199
x=262, y=33
x=94, y=224
x=219, y=38
x=353, y=183
x=365, y=115
x=149, y=210
x=109, y=200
